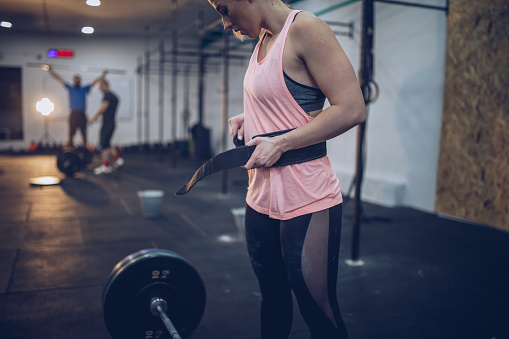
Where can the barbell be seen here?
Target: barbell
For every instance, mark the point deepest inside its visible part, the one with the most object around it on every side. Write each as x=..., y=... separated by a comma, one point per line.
x=73, y=161
x=153, y=293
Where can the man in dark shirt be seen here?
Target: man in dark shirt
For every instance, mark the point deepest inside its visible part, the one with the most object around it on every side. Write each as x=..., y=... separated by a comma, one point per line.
x=108, y=109
x=77, y=103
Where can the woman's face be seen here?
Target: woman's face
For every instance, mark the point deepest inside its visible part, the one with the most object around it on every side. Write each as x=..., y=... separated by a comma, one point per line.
x=236, y=16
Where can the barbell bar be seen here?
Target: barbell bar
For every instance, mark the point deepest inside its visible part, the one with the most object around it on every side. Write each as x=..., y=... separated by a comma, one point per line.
x=158, y=307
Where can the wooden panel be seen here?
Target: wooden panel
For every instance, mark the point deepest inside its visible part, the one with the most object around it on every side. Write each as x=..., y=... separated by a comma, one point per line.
x=473, y=172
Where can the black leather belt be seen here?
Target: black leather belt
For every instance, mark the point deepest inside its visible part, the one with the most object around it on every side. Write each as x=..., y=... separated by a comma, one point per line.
x=240, y=155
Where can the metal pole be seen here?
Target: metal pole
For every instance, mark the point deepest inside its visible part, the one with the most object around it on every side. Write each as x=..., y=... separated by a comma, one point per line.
x=366, y=74
x=200, y=134
x=224, y=115
x=46, y=129
x=174, y=54
x=201, y=71
x=161, y=96
x=187, y=112
x=139, y=99
x=414, y=5
x=147, y=89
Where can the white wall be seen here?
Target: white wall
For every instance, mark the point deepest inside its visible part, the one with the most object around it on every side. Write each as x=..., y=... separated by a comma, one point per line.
x=403, y=126
x=91, y=56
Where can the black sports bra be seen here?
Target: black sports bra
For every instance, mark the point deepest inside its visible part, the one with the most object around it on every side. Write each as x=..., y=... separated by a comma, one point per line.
x=309, y=98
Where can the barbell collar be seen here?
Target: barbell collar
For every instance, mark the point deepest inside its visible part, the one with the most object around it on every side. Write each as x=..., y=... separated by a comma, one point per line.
x=158, y=302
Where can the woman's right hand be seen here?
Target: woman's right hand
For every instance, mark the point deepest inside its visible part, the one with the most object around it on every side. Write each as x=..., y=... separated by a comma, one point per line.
x=236, y=124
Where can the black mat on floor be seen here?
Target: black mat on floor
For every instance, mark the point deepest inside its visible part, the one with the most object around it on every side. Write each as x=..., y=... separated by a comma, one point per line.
x=425, y=276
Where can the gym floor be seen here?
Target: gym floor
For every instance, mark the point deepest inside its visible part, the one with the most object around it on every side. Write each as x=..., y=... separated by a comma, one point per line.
x=425, y=276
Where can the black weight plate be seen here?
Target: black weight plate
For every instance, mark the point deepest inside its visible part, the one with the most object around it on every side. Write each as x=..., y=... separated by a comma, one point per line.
x=68, y=163
x=84, y=155
x=146, y=274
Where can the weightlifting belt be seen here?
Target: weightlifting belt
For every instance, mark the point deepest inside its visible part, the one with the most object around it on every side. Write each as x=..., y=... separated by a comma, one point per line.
x=240, y=155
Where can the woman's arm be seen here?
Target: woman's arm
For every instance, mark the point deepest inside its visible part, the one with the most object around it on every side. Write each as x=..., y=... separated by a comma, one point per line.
x=314, y=43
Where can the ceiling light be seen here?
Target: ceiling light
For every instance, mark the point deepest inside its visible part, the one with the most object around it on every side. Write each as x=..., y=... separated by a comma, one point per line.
x=87, y=30
x=93, y=2
x=6, y=24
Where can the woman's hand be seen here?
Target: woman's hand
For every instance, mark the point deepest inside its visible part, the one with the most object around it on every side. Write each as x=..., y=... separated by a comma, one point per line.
x=236, y=124
x=266, y=153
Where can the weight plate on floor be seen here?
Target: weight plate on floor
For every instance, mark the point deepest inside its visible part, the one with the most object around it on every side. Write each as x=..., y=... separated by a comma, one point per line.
x=84, y=155
x=68, y=163
x=44, y=181
x=146, y=274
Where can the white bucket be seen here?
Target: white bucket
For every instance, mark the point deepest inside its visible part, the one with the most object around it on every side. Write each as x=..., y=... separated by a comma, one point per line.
x=151, y=202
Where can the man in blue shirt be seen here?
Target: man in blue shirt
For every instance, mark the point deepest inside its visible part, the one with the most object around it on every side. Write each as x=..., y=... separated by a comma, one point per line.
x=77, y=103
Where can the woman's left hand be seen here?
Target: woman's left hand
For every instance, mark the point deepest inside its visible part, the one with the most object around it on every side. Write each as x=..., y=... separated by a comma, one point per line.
x=266, y=153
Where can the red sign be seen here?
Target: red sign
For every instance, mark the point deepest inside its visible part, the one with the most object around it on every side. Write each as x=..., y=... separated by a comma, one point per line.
x=61, y=53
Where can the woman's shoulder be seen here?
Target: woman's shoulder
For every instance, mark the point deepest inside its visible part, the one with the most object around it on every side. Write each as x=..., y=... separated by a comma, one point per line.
x=307, y=20
x=309, y=32
x=307, y=24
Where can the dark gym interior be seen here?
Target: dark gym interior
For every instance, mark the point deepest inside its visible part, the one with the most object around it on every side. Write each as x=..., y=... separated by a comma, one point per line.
x=435, y=75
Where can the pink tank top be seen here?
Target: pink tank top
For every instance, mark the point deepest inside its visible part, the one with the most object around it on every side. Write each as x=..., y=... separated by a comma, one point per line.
x=288, y=191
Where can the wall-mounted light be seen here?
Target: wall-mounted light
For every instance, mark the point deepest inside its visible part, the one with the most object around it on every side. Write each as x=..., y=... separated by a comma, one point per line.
x=87, y=30
x=6, y=24
x=94, y=3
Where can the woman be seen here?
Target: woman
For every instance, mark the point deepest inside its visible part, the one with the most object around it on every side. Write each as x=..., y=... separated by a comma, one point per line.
x=293, y=212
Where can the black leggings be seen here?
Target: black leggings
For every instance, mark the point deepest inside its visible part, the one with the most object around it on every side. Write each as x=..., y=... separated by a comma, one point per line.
x=299, y=254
